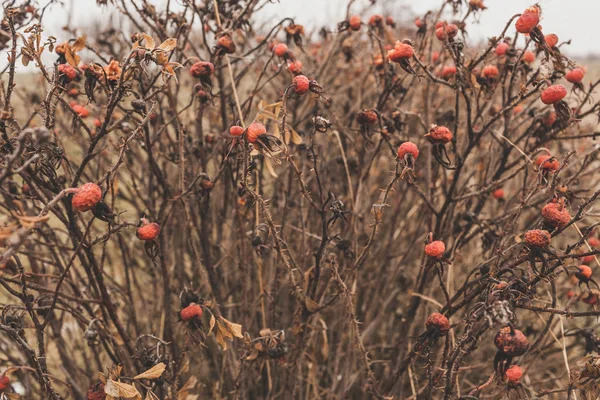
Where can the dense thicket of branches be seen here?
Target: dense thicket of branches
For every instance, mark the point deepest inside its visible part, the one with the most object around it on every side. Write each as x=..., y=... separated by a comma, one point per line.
x=300, y=253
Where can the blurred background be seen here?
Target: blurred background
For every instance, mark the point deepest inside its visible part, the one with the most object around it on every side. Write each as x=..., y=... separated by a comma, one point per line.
x=574, y=20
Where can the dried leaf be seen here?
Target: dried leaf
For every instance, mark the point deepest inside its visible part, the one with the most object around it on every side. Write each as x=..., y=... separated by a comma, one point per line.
x=168, y=45
x=211, y=324
x=79, y=44
x=191, y=383
x=152, y=373
x=311, y=305
x=120, y=389
x=151, y=396
x=148, y=41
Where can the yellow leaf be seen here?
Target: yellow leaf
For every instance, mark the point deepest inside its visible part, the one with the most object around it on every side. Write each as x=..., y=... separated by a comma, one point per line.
x=168, y=45
x=149, y=42
x=211, y=324
x=79, y=44
x=120, y=389
x=235, y=329
x=152, y=373
x=191, y=383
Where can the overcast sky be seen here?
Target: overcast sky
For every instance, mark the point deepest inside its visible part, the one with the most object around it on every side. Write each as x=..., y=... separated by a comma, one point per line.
x=569, y=19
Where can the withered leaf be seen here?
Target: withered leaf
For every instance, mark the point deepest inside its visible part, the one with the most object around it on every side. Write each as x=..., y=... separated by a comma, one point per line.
x=227, y=330
x=120, y=389
x=311, y=305
x=152, y=373
x=183, y=393
x=168, y=45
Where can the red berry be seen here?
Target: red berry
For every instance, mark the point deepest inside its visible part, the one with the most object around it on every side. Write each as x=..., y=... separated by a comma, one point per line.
x=254, y=130
x=585, y=272
x=400, y=52
x=81, y=110
x=226, y=44
x=295, y=67
x=449, y=31
x=514, y=374
x=68, y=71
x=498, y=194
x=502, y=48
x=435, y=249
x=490, y=71
x=556, y=214
x=367, y=117
x=419, y=23
x=448, y=71
x=511, y=342
x=236, y=130
x=408, y=148
x=528, y=57
x=389, y=21
x=280, y=49
x=439, y=134
x=554, y=94
x=96, y=391
x=355, y=22
x=547, y=163
x=537, y=238
x=589, y=298
x=439, y=322
x=301, y=84
x=375, y=20
x=86, y=197
x=549, y=119
x=528, y=20
x=551, y=39
x=4, y=382
x=148, y=231
x=191, y=312
x=202, y=69
x=594, y=242
x=575, y=75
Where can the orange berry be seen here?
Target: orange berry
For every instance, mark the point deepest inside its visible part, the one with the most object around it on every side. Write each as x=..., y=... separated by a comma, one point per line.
x=236, y=130
x=537, y=238
x=547, y=163
x=502, y=48
x=528, y=20
x=528, y=57
x=438, y=322
x=400, y=51
x=408, y=148
x=375, y=20
x=226, y=43
x=191, y=312
x=295, y=67
x=511, y=342
x=585, y=272
x=81, y=110
x=68, y=71
x=439, y=134
x=449, y=31
x=202, y=69
x=4, y=382
x=514, y=374
x=551, y=39
x=498, y=194
x=575, y=75
x=556, y=214
x=254, y=130
x=367, y=117
x=435, y=249
x=355, y=22
x=549, y=119
x=301, y=84
x=280, y=49
x=87, y=197
x=148, y=231
x=553, y=94
x=490, y=71
x=448, y=71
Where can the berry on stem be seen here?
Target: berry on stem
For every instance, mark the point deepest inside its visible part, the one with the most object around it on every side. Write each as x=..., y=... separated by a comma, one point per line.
x=86, y=197
x=438, y=322
x=191, y=312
